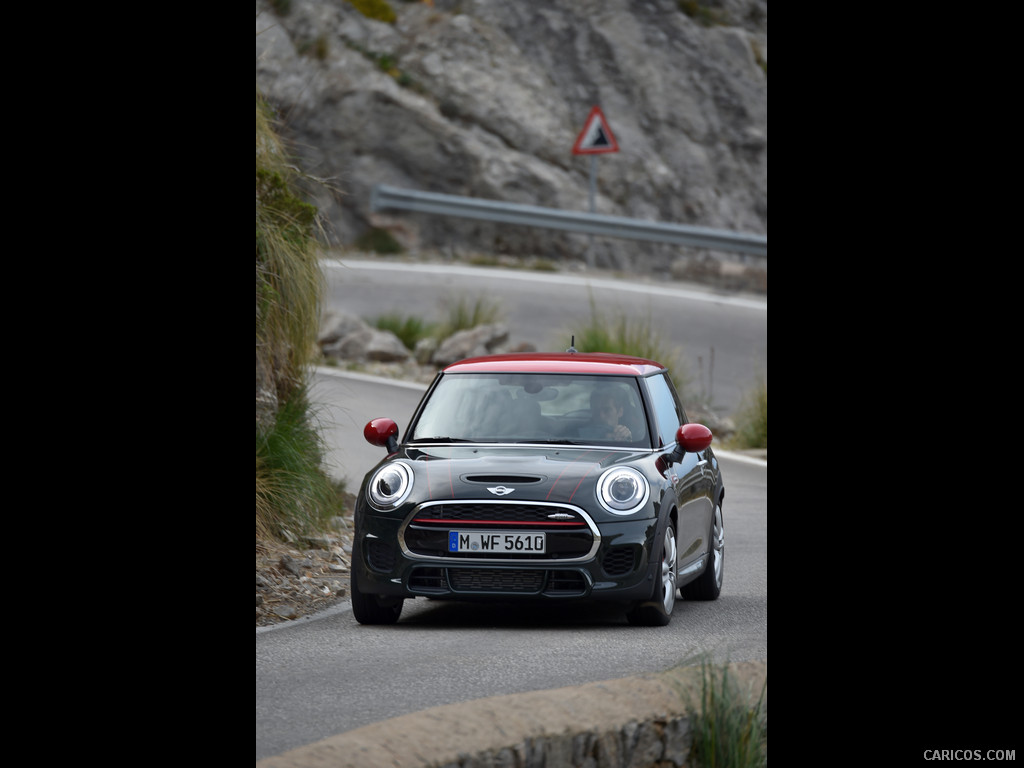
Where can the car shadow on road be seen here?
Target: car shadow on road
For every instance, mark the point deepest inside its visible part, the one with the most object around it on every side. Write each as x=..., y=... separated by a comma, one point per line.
x=449, y=614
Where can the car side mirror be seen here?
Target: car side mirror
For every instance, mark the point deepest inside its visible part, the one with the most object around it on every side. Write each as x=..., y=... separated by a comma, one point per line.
x=690, y=438
x=694, y=438
x=382, y=432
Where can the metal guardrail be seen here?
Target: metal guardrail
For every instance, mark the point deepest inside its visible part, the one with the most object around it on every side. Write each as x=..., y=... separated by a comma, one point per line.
x=392, y=198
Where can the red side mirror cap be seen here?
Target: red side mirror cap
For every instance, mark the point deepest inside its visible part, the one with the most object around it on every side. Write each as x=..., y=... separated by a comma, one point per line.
x=693, y=438
x=380, y=432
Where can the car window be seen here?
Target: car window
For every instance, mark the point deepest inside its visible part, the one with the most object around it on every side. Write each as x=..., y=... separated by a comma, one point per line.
x=534, y=407
x=668, y=413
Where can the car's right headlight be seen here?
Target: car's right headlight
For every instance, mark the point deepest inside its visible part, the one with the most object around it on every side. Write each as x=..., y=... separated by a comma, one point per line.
x=623, y=490
x=390, y=486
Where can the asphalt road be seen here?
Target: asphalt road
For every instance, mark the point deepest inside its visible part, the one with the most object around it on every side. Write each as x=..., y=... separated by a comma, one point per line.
x=345, y=403
x=722, y=339
x=327, y=675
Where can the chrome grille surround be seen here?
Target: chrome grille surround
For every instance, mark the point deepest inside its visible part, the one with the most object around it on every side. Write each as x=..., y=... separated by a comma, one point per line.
x=502, y=511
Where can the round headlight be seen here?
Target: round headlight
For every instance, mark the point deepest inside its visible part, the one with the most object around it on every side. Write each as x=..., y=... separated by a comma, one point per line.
x=622, y=491
x=390, y=486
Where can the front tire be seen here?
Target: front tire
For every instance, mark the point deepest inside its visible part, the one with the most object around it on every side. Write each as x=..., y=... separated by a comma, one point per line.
x=657, y=612
x=368, y=608
x=709, y=585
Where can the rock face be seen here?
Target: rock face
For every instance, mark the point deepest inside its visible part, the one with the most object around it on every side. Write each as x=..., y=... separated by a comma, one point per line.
x=485, y=98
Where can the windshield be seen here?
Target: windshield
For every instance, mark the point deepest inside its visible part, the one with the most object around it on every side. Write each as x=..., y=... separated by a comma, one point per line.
x=534, y=408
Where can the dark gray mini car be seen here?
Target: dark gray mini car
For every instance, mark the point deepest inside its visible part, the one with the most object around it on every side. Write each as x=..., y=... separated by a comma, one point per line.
x=542, y=477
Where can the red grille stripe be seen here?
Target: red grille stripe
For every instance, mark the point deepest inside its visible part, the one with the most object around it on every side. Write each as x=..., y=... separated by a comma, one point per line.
x=535, y=524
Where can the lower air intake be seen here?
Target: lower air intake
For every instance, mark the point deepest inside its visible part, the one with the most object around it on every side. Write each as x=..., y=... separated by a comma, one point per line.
x=495, y=580
x=380, y=556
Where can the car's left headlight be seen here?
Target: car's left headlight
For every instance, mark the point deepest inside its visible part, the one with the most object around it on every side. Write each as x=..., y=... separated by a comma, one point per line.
x=390, y=486
x=623, y=490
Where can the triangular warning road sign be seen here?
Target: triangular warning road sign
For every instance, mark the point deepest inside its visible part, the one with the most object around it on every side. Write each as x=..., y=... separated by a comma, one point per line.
x=596, y=137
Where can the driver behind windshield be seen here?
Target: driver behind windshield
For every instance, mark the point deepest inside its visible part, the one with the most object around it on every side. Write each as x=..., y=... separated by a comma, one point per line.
x=605, y=412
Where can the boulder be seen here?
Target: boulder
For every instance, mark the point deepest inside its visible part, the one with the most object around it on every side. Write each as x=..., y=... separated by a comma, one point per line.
x=337, y=325
x=369, y=345
x=481, y=340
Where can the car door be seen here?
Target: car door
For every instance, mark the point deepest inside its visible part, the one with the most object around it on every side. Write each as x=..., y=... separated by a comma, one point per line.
x=691, y=477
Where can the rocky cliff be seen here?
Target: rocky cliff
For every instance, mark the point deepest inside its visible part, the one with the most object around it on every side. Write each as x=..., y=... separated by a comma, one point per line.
x=485, y=98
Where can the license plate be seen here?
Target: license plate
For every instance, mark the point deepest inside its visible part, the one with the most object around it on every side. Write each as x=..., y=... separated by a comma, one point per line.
x=505, y=542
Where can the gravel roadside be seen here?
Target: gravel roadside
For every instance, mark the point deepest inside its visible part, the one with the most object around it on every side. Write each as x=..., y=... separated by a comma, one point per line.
x=298, y=579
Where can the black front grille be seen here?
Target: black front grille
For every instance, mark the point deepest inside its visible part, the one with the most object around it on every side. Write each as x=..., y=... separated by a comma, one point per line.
x=433, y=542
x=482, y=512
x=495, y=580
x=427, y=580
x=568, y=534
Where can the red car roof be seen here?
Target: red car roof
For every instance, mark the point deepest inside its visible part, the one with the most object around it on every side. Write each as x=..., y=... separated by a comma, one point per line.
x=561, y=362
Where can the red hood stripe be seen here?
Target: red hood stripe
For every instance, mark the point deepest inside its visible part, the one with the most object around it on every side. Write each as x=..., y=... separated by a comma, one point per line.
x=597, y=465
x=559, y=478
x=430, y=489
x=583, y=477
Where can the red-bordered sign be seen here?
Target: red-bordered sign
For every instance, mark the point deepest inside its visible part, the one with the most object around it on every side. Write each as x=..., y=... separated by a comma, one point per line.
x=596, y=137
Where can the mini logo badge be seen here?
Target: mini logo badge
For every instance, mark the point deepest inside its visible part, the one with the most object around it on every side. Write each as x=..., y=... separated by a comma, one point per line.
x=501, y=490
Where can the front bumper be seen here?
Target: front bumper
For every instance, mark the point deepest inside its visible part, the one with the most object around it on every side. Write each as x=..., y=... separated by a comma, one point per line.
x=619, y=568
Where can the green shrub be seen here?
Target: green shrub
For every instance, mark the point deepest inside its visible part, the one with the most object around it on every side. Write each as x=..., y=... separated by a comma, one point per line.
x=543, y=265
x=379, y=241
x=484, y=260
x=318, y=48
x=752, y=419
x=701, y=13
x=375, y=9
x=463, y=315
x=408, y=329
x=727, y=732
x=293, y=494
x=289, y=280
x=621, y=335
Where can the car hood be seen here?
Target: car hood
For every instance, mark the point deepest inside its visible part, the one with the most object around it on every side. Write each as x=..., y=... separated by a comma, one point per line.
x=554, y=474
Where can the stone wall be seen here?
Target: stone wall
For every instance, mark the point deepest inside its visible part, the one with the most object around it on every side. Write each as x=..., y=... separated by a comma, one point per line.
x=636, y=722
x=660, y=743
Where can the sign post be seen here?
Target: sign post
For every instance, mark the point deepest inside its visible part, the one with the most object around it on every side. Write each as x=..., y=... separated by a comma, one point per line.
x=595, y=139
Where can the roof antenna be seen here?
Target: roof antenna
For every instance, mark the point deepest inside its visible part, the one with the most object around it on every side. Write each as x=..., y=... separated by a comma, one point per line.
x=572, y=347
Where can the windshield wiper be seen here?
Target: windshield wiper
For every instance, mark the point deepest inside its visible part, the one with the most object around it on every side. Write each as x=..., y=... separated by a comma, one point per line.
x=440, y=440
x=547, y=441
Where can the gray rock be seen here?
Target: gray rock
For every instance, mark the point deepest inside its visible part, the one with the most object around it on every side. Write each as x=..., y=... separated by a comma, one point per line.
x=369, y=344
x=337, y=325
x=385, y=347
x=286, y=611
x=294, y=566
x=480, y=340
x=425, y=349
